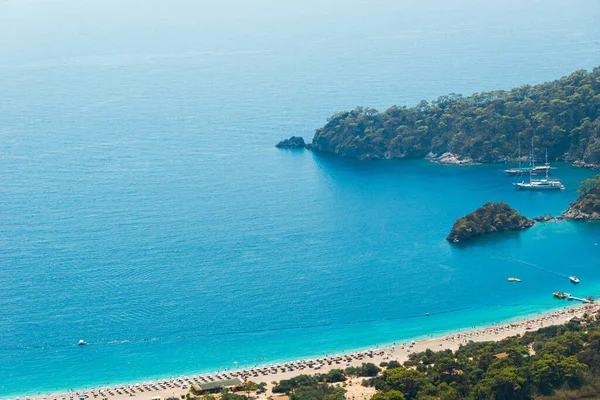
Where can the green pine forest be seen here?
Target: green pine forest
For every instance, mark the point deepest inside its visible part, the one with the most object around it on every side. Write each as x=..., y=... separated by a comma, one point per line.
x=562, y=117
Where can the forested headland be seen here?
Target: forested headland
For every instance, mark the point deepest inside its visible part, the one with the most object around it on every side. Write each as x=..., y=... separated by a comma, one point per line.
x=562, y=116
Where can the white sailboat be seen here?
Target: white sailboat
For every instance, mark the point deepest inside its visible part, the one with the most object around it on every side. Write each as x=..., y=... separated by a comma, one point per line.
x=520, y=170
x=540, y=184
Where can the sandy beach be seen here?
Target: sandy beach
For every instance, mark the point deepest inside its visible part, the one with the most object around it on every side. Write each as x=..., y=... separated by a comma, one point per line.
x=273, y=373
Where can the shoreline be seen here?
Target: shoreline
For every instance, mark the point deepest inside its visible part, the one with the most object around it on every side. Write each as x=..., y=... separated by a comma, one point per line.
x=175, y=387
x=445, y=159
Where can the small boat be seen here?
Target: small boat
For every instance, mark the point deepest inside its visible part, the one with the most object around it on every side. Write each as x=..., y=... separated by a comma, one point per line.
x=517, y=171
x=81, y=343
x=520, y=170
x=574, y=279
x=559, y=295
x=542, y=168
x=512, y=279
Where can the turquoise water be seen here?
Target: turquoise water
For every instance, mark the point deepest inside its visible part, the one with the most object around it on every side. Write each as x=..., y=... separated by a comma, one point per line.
x=146, y=211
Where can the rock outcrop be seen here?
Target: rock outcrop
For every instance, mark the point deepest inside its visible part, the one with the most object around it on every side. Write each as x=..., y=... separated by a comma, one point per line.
x=583, y=164
x=546, y=218
x=490, y=218
x=295, y=142
x=587, y=206
x=450, y=159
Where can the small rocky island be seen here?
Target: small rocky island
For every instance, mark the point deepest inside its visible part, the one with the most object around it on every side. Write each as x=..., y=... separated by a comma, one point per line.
x=587, y=206
x=490, y=218
x=295, y=142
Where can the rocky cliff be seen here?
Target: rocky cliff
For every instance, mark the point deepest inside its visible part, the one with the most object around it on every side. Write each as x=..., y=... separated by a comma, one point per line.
x=587, y=206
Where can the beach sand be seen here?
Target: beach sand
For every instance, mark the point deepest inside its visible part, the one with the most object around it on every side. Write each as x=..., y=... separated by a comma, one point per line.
x=274, y=373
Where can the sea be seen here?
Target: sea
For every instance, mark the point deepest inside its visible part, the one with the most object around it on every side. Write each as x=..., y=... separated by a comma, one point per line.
x=145, y=210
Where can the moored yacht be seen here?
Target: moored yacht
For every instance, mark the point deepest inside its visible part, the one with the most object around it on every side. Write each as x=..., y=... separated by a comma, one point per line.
x=542, y=168
x=517, y=171
x=520, y=170
x=540, y=184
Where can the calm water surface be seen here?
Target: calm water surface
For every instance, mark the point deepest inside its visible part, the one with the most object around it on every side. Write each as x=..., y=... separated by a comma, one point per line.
x=145, y=210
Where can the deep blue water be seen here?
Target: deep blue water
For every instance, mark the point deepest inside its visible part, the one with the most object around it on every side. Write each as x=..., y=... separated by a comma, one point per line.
x=145, y=210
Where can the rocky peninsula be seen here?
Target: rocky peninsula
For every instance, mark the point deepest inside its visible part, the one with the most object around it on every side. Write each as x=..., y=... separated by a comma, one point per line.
x=481, y=128
x=587, y=206
x=490, y=218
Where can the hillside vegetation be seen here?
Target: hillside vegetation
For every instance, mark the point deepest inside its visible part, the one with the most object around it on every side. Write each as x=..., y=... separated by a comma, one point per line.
x=562, y=116
x=557, y=362
x=553, y=360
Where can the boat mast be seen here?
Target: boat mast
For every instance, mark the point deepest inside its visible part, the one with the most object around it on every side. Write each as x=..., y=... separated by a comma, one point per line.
x=532, y=155
x=547, y=165
x=532, y=161
x=519, y=142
